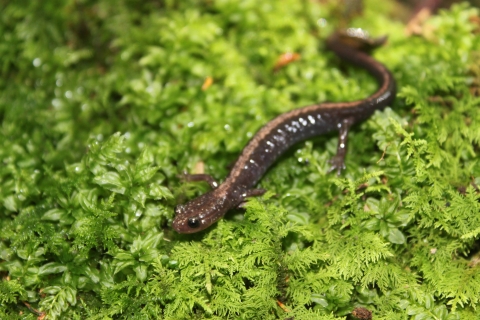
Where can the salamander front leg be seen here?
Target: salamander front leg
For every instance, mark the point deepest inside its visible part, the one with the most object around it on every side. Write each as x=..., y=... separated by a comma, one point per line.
x=338, y=161
x=201, y=177
x=250, y=193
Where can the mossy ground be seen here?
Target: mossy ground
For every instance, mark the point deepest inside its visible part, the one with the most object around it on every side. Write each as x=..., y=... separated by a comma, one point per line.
x=102, y=107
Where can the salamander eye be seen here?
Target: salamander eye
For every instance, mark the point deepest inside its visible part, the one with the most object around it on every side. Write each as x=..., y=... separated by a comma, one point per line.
x=193, y=223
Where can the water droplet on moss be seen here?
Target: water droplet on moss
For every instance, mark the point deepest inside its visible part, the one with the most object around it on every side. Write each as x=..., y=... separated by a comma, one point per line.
x=56, y=103
x=37, y=62
x=322, y=22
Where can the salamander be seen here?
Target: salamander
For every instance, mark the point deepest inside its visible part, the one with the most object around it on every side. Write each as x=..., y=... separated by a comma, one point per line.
x=287, y=129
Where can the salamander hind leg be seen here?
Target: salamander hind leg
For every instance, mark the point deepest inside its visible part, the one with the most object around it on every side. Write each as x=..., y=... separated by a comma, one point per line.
x=338, y=160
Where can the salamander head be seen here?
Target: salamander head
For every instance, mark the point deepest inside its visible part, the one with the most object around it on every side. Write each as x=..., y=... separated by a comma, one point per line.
x=200, y=213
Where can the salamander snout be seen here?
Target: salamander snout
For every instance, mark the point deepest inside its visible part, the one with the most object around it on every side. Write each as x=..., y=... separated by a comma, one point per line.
x=192, y=222
x=200, y=213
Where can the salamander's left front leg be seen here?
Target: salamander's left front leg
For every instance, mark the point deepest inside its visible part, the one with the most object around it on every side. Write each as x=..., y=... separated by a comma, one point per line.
x=338, y=161
x=200, y=177
x=250, y=193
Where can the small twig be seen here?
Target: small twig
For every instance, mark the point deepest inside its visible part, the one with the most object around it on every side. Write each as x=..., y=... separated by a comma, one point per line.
x=383, y=154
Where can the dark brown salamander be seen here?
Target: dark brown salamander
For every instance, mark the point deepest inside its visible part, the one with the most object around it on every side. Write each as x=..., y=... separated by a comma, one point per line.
x=287, y=129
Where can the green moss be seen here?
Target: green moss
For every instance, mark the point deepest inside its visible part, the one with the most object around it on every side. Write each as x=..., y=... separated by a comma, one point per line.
x=101, y=109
